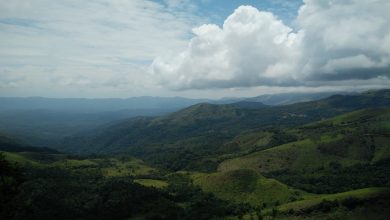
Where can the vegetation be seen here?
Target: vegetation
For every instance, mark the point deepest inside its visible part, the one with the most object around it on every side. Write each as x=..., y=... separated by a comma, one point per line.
x=81, y=191
x=239, y=161
x=247, y=186
x=335, y=178
x=195, y=137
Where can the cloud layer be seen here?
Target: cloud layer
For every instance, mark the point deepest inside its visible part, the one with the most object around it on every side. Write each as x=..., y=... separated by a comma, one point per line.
x=335, y=42
x=73, y=47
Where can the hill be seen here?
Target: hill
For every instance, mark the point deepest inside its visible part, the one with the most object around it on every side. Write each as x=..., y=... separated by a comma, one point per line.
x=111, y=186
x=303, y=164
x=360, y=136
x=203, y=131
x=291, y=98
x=11, y=144
x=45, y=121
x=96, y=105
x=347, y=152
x=247, y=186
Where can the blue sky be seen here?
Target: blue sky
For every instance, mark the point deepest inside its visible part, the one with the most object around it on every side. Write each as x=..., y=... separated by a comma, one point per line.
x=217, y=10
x=220, y=9
x=123, y=48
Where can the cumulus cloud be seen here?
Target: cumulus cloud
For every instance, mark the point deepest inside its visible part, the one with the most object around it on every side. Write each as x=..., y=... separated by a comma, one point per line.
x=347, y=40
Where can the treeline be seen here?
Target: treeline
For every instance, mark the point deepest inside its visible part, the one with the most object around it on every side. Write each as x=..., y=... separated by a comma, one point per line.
x=41, y=192
x=335, y=178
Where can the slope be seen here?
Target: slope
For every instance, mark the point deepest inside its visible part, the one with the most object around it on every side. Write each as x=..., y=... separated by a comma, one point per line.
x=203, y=130
x=247, y=186
x=360, y=136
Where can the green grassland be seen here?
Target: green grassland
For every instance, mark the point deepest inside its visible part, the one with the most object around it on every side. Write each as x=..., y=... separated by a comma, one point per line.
x=297, y=156
x=16, y=158
x=361, y=136
x=128, y=167
x=313, y=200
x=367, y=203
x=246, y=186
x=109, y=167
x=152, y=183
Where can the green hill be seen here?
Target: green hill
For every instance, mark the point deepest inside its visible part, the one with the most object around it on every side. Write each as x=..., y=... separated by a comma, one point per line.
x=246, y=186
x=313, y=200
x=360, y=136
x=347, y=152
x=327, y=159
x=367, y=203
x=204, y=131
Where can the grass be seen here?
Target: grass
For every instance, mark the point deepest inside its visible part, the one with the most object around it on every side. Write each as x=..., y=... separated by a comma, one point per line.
x=132, y=167
x=382, y=150
x=250, y=140
x=72, y=163
x=110, y=167
x=246, y=186
x=296, y=156
x=19, y=159
x=312, y=200
x=348, y=137
x=152, y=183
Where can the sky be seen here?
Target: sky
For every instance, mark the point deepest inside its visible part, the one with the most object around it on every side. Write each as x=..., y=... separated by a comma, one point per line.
x=198, y=48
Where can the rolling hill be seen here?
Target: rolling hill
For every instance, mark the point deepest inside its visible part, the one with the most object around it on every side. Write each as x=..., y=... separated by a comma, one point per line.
x=360, y=136
x=205, y=130
x=317, y=160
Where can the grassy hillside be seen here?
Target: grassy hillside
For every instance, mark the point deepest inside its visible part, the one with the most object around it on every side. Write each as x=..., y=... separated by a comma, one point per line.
x=19, y=159
x=313, y=200
x=356, y=137
x=119, y=166
x=350, y=151
x=296, y=156
x=246, y=186
x=205, y=131
x=212, y=162
x=338, y=167
x=368, y=203
x=68, y=187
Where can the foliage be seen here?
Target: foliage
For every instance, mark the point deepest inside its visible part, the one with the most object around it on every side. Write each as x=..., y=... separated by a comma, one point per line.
x=335, y=178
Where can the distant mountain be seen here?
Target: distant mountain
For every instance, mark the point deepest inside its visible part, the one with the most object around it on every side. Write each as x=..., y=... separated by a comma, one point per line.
x=145, y=102
x=44, y=121
x=44, y=127
x=291, y=98
x=248, y=104
x=10, y=144
x=97, y=105
x=204, y=129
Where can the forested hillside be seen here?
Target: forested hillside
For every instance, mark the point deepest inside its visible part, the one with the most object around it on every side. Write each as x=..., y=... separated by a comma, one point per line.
x=190, y=136
x=327, y=159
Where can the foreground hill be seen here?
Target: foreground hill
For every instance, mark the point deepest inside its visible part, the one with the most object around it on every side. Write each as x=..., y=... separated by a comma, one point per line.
x=247, y=186
x=46, y=186
x=360, y=136
x=205, y=130
x=347, y=152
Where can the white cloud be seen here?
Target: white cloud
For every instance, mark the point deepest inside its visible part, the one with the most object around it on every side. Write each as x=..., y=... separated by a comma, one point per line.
x=345, y=40
x=252, y=47
x=100, y=44
x=104, y=48
x=342, y=37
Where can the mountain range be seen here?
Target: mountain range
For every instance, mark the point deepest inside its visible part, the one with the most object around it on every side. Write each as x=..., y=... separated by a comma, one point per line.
x=321, y=159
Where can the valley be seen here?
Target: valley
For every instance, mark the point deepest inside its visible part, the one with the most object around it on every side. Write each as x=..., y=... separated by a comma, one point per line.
x=321, y=159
